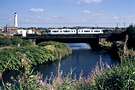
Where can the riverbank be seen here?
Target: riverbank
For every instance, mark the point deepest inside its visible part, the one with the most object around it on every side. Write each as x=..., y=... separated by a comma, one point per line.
x=23, y=58
x=117, y=50
x=111, y=47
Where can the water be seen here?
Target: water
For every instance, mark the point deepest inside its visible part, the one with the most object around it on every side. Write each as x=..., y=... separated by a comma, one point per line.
x=83, y=60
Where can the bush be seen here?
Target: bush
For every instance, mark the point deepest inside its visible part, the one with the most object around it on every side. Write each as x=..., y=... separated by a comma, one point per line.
x=118, y=78
x=57, y=49
x=14, y=41
x=15, y=57
x=131, y=33
x=25, y=82
x=9, y=59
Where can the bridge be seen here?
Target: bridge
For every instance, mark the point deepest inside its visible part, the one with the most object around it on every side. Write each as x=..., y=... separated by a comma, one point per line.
x=92, y=39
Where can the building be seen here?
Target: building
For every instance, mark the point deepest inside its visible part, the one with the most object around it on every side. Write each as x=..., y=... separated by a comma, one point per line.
x=15, y=20
x=24, y=32
x=10, y=30
x=15, y=30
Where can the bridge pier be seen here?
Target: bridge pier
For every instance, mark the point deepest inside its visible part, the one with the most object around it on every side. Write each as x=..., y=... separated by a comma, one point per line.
x=94, y=43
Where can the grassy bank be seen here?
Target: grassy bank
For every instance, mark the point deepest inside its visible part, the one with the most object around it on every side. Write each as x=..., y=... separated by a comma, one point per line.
x=15, y=58
x=18, y=54
x=22, y=55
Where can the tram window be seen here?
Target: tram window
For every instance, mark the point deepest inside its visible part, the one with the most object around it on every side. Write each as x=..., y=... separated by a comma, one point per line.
x=86, y=31
x=55, y=31
x=96, y=31
x=66, y=31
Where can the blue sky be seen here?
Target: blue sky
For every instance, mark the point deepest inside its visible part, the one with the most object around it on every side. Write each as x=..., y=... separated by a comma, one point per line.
x=45, y=13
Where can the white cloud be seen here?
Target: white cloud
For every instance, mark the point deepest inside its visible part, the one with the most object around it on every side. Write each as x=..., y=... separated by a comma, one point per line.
x=89, y=1
x=57, y=17
x=37, y=10
x=117, y=18
x=93, y=14
x=86, y=11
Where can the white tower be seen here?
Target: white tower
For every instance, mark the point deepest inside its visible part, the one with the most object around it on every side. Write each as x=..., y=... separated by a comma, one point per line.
x=15, y=20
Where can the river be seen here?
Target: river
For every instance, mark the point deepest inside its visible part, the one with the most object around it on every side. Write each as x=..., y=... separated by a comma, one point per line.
x=82, y=61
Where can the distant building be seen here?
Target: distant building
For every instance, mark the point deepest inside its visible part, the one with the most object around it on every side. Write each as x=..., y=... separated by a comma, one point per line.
x=10, y=30
x=24, y=32
x=15, y=30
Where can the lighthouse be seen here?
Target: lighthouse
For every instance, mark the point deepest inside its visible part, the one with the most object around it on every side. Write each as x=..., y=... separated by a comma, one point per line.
x=15, y=20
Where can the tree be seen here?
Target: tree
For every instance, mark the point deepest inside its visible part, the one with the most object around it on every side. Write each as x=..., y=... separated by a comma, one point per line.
x=130, y=31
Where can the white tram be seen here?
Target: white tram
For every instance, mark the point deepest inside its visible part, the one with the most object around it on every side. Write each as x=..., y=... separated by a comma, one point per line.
x=62, y=31
x=74, y=31
x=90, y=31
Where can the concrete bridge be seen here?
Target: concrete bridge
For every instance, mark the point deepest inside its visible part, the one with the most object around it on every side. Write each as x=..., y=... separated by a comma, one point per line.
x=92, y=39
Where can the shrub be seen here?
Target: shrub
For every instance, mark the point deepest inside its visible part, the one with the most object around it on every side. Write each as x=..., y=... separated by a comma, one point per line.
x=15, y=57
x=118, y=78
x=14, y=41
x=9, y=59
x=25, y=82
x=57, y=49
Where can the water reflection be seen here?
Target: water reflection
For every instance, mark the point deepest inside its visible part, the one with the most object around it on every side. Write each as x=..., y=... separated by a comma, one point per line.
x=76, y=46
x=83, y=60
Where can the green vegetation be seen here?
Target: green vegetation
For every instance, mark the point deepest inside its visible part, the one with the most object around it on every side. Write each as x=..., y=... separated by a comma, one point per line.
x=19, y=54
x=16, y=57
x=58, y=50
x=13, y=41
x=24, y=57
x=105, y=45
x=131, y=33
x=121, y=77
